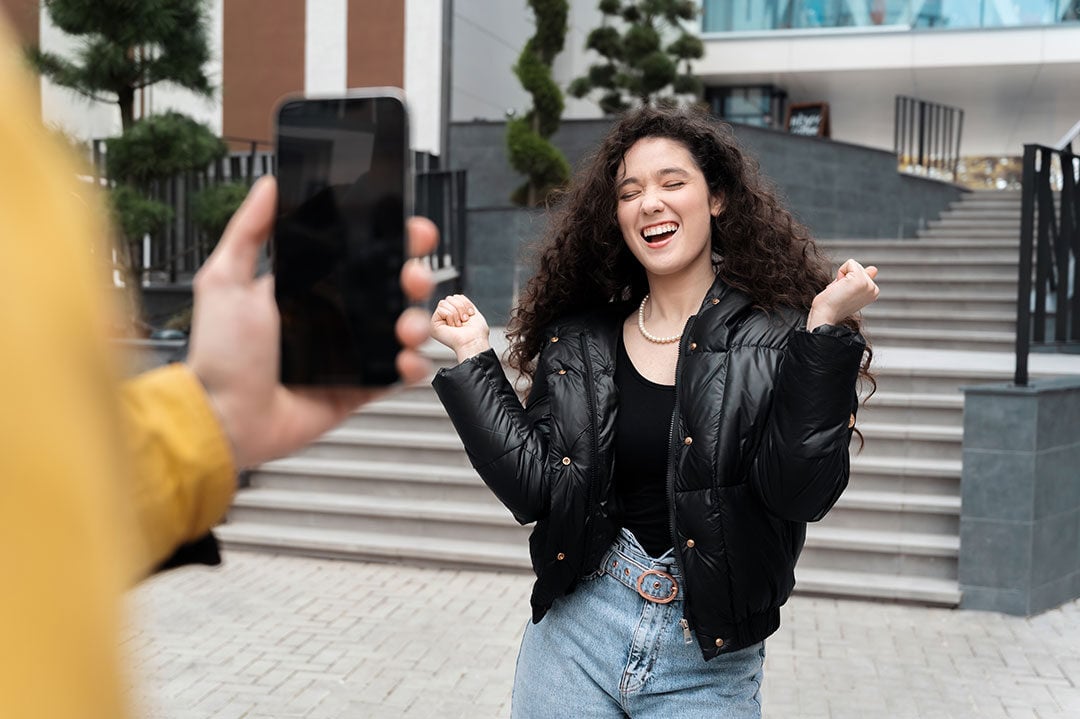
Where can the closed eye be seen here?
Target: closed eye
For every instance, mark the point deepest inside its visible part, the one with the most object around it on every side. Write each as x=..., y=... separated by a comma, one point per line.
x=629, y=195
x=673, y=185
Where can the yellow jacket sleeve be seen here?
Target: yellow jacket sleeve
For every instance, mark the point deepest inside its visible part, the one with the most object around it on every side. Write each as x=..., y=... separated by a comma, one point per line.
x=182, y=462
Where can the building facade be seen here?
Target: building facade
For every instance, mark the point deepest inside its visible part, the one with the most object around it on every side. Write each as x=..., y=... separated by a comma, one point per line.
x=264, y=50
x=1009, y=65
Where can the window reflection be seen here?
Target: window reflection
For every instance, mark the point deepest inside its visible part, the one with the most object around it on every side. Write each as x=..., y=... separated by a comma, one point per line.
x=758, y=15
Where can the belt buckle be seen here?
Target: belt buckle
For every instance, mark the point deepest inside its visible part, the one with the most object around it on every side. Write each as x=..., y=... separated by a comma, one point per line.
x=661, y=600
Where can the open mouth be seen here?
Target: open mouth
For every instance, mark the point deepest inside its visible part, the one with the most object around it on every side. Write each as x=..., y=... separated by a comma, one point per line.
x=655, y=234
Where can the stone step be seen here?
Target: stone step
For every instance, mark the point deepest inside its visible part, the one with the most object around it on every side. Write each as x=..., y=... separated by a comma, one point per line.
x=395, y=480
x=835, y=583
x=920, y=251
x=376, y=547
x=1004, y=213
x=945, y=339
x=977, y=223
x=918, y=409
x=969, y=233
x=363, y=546
x=905, y=475
x=881, y=552
x=404, y=518
x=916, y=245
x=992, y=268
x=443, y=448
x=421, y=415
x=993, y=205
x=899, y=283
x=945, y=380
x=972, y=320
x=989, y=193
x=935, y=514
x=937, y=302
x=905, y=440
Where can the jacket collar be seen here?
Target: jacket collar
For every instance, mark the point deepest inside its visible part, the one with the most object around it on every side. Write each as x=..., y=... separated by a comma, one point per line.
x=721, y=309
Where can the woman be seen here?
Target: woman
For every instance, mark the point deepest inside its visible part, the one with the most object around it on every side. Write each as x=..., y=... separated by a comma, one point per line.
x=691, y=409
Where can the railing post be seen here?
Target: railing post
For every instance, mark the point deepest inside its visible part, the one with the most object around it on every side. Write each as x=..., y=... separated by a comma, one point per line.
x=463, y=227
x=1074, y=243
x=922, y=134
x=1023, y=297
x=1066, y=231
x=896, y=129
x=251, y=164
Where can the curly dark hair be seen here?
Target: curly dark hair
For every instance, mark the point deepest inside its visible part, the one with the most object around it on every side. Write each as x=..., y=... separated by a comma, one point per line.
x=584, y=263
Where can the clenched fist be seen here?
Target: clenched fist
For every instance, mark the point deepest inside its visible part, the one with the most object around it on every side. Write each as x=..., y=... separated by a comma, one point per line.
x=459, y=325
x=853, y=289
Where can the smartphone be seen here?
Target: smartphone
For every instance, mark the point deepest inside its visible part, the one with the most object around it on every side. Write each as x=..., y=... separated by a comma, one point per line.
x=344, y=191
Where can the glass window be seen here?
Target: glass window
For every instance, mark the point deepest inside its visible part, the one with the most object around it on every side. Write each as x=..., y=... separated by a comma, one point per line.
x=759, y=15
x=758, y=105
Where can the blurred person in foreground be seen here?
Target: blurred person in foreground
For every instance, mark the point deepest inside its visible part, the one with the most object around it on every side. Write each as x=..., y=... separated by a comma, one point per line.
x=101, y=481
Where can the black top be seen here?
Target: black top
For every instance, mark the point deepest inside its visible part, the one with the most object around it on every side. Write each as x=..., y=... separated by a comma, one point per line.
x=642, y=439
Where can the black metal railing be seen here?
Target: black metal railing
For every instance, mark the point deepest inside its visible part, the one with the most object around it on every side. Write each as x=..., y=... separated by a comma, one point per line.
x=1048, y=305
x=440, y=196
x=926, y=137
x=176, y=252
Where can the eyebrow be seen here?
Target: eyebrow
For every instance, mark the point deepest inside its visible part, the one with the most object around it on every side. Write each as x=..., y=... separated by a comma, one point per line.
x=661, y=173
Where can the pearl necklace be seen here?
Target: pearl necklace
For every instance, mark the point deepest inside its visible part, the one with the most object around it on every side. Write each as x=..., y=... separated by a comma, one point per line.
x=648, y=335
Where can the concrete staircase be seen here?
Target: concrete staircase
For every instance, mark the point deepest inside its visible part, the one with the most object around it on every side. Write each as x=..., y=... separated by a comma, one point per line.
x=394, y=483
x=955, y=286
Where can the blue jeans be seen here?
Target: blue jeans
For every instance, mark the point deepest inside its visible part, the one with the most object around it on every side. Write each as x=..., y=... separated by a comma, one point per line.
x=605, y=651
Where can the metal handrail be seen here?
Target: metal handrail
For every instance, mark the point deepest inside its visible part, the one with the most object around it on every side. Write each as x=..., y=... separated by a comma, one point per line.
x=1067, y=139
x=1049, y=255
x=926, y=136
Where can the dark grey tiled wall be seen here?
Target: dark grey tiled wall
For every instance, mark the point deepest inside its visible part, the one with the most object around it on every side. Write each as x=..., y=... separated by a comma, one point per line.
x=838, y=190
x=1020, y=517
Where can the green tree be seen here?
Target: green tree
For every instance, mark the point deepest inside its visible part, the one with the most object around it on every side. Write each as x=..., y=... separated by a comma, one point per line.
x=637, y=66
x=128, y=45
x=152, y=151
x=531, y=153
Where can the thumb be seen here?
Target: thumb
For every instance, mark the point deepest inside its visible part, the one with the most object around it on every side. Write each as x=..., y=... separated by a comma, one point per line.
x=238, y=251
x=871, y=271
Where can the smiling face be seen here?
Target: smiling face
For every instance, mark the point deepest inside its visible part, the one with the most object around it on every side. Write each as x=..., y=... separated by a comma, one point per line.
x=664, y=208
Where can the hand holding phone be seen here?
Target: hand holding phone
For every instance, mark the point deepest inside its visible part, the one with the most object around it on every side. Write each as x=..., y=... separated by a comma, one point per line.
x=235, y=340
x=339, y=236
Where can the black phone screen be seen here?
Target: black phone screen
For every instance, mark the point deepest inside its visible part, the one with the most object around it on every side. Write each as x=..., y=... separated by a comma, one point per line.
x=339, y=238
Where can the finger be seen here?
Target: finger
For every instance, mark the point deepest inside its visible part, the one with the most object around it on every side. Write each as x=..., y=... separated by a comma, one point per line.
x=847, y=268
x=464, y=306
x=871, y=271
x=460, y=307
x=412, y=366
x=417, y=281
x=423, y=236
x=237, y=253
x=412, y=327
x=447, y=312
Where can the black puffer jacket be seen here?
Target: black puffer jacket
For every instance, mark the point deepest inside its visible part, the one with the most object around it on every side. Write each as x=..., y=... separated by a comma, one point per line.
x=759, y=447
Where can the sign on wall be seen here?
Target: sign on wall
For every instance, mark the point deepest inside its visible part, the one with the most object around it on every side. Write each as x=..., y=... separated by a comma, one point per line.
x=810, y=119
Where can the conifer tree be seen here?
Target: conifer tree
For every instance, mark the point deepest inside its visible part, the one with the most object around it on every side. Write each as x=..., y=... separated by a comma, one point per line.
x=531, y=153
x=637, y=66
x=127, y=46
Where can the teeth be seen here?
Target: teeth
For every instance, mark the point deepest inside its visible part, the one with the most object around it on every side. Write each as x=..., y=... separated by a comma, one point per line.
x=659, y=229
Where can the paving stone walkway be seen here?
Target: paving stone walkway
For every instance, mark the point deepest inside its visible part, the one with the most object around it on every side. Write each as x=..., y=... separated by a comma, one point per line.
x=278, y=637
